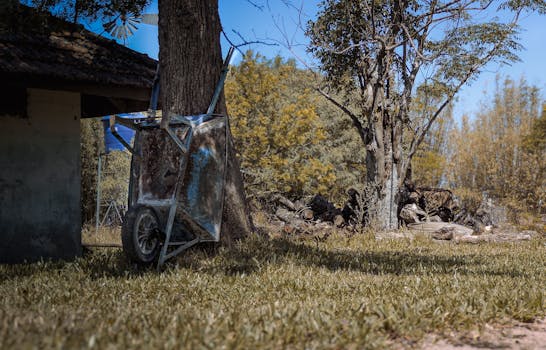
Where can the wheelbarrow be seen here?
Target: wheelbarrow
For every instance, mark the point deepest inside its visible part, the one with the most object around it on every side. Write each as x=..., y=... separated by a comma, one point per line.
x=176, y=185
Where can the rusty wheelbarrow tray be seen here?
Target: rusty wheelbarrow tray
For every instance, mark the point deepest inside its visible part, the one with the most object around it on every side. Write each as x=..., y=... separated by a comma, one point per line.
x=176, y=187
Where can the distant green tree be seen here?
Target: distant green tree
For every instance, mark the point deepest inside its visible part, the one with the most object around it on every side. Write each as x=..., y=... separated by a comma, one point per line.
x=535, y=141
x=429, y=163
x=380, y=50
x=341, y=149
x=115, y=177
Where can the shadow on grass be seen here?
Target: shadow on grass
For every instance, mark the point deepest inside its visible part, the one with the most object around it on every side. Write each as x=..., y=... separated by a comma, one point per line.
x=249, y=256
x=247, y=259
x=96, y=264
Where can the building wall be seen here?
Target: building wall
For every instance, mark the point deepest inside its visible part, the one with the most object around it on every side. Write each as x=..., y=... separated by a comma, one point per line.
x=40, y=179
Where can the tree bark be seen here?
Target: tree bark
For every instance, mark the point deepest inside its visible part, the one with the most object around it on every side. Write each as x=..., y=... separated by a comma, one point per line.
x=383, y=153
x=383, y=187
x=190, y=64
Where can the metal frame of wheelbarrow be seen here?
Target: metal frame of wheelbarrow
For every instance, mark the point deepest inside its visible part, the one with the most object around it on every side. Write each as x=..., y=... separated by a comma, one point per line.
x=184, y=147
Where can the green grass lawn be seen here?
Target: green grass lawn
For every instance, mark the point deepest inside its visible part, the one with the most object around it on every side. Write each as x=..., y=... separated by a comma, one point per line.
x=277, y=293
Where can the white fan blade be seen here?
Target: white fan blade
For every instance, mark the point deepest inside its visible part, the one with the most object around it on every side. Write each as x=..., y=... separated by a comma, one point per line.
x=150, y=18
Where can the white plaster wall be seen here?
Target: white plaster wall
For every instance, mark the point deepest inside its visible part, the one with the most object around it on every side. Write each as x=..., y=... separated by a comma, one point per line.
x=40, y=179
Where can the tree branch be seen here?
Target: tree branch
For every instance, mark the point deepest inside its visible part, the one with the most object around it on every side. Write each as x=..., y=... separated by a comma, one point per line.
x=245, y=42
x=362, y=131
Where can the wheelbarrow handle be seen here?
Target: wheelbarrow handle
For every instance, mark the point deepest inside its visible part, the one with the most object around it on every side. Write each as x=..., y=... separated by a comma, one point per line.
x=220, y=85
x=155, y=93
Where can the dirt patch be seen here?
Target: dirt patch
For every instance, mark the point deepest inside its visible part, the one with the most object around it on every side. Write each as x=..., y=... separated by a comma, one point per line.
x=524, y=336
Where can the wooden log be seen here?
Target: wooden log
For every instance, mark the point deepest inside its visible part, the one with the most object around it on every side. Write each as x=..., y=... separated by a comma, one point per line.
x=445, y=234
x=307, y=214
x=286, y=215
x=323, y=209
x=339, y=221
x=280, y=199
x=410, y=213
x=290, y=218
x=431, y=227
x=493, y=238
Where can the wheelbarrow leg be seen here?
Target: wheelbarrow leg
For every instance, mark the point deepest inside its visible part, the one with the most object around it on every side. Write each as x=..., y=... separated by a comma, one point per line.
x=168, y=229
x=183, y=247
x=163, y=256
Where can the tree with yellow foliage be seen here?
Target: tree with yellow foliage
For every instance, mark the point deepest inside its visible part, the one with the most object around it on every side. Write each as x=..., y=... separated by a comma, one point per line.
x=276, y=128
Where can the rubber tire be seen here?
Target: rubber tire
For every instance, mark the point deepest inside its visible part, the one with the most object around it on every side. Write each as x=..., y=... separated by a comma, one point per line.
x=129, y=237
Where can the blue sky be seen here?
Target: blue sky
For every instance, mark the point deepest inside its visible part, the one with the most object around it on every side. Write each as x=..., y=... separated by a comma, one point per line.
x=278, y=23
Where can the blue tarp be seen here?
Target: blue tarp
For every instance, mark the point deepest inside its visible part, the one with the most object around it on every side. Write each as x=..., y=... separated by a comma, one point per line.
x=110, y=141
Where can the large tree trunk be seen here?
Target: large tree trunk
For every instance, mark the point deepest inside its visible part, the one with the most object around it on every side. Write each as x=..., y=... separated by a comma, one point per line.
x=383, y=161
x=190, y=63
x=383, y=186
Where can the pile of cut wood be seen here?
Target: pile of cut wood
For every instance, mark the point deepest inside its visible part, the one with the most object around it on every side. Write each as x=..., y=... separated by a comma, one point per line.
x=440, y=214
x=444, y=231
x=303, y=216
x=435, y=212
x=428, y=205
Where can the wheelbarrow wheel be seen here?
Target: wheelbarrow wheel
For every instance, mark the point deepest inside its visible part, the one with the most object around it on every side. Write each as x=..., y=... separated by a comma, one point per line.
x=140, y=235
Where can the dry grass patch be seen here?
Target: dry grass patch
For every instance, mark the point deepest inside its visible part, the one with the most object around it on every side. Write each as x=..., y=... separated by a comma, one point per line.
x=104, y=235
x=277, y=293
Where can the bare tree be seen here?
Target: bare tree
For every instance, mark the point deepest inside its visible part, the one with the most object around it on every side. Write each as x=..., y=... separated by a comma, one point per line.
x=378, y=53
